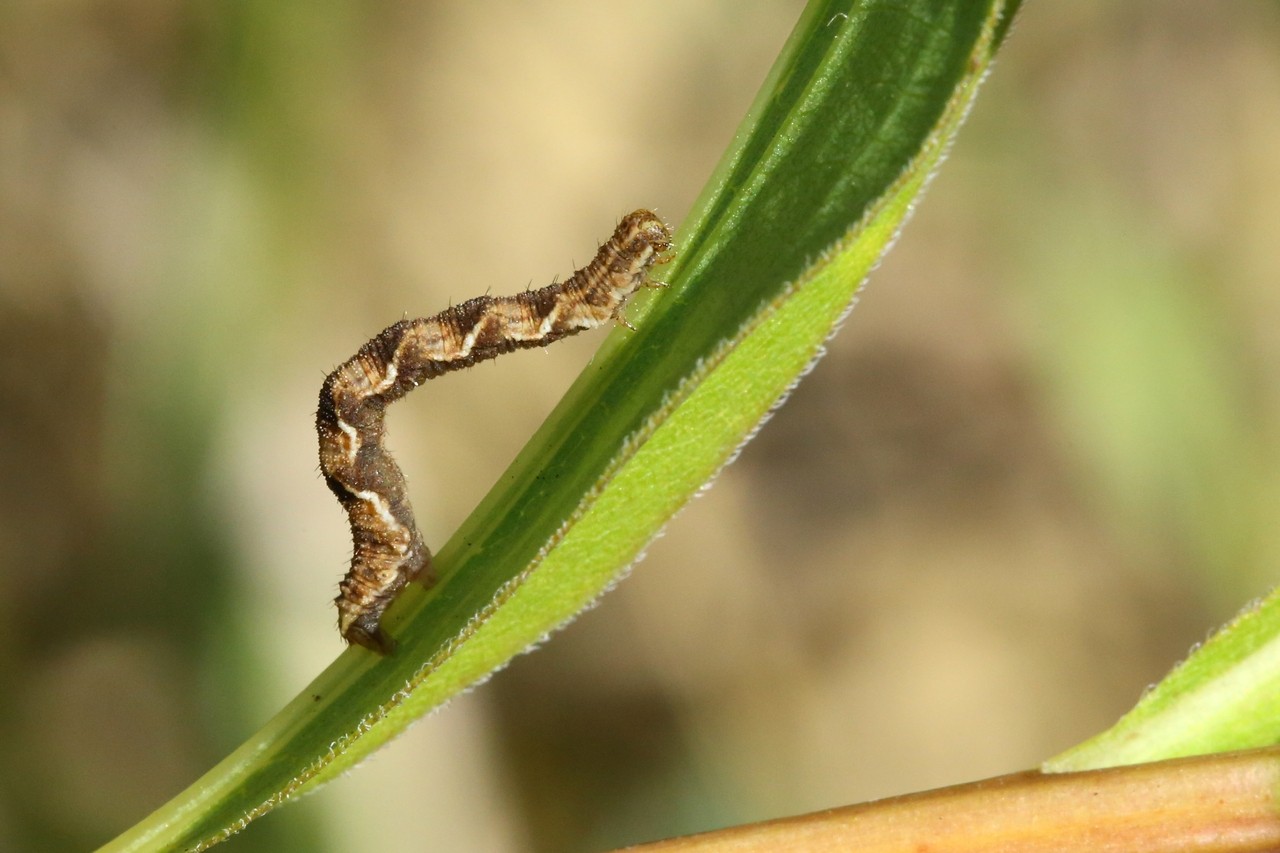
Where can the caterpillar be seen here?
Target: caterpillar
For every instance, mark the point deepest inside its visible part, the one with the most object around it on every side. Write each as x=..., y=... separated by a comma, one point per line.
x=388, y=550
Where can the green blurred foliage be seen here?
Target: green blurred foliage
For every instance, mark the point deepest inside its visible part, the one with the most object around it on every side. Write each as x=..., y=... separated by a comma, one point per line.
x=1044, y=443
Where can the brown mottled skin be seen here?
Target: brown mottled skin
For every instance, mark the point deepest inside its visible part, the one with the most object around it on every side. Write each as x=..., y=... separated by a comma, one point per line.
x=389, y=551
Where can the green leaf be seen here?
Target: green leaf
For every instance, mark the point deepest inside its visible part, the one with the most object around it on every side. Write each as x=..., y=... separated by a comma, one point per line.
x=854, y=117
x=1223, y=697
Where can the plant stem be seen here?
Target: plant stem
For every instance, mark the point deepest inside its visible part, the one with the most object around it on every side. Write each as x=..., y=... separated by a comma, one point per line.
x=1223, y=803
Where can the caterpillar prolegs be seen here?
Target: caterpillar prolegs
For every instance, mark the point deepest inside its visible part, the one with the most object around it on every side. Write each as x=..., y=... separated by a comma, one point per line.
x=388, y=549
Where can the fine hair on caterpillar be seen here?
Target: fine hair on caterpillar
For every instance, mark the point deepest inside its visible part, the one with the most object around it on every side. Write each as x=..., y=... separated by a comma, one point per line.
x=388, y=549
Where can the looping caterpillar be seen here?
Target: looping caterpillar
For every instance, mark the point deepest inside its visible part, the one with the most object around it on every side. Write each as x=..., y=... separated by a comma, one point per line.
x=388, y=549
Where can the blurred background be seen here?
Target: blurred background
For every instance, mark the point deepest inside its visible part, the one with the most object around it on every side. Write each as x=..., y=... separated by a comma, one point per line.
x=1037, y=465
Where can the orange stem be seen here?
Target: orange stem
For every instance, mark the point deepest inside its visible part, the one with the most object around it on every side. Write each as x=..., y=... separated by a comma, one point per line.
x=1212, y=804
